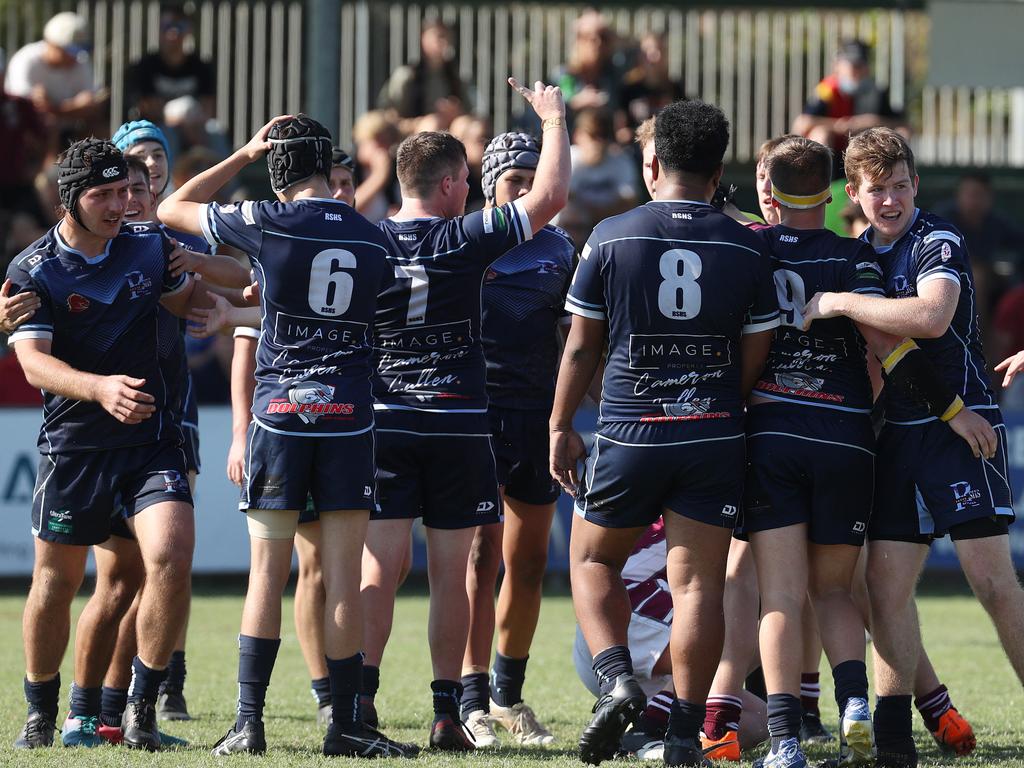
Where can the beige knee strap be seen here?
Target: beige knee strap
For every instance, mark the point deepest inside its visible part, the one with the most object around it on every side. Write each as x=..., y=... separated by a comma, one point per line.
x=273, y=523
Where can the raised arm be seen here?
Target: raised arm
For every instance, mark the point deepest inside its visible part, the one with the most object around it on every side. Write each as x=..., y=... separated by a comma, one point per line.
x=181, y=209
x=121, y=396
x=550, y=191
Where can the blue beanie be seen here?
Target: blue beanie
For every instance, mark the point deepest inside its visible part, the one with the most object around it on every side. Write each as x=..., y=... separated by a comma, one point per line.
x=133, y=132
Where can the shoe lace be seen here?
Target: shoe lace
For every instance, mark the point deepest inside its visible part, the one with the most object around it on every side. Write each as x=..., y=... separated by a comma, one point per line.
x=526, y=723
x=37, y=726
x=88, y=725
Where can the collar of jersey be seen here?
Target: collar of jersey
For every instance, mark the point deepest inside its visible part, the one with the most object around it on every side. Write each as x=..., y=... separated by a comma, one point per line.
x=886, y=248
x=321, y=200
x=687, y=202
x=393, y=220
x=72, y=252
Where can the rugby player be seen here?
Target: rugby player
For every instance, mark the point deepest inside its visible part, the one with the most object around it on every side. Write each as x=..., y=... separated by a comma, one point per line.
x=434, y=457
x=107, y=438
x=928, y=483
x=319, y=267
x=687, y=298
x=523, y=300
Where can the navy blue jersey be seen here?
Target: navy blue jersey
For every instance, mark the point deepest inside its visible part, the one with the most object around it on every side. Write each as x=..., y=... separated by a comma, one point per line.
x=173, y=359
x=429, y=356
x=824, y=366
x=679, y=282
x=933, y=249
x=523, y=300
x=320, y=266
x=101, y=317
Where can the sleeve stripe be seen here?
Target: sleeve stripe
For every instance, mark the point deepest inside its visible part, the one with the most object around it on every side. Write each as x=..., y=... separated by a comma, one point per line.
x=870, y=291
x=765, y=317
x=588, y=305
x=525, y=229
x=247, y=213
x=204, y=223
x=593, y=315
x=941, y=235
x=938, y=274
x=244, y=331
x=183, y=281
x=765, y=326
x=22, y=334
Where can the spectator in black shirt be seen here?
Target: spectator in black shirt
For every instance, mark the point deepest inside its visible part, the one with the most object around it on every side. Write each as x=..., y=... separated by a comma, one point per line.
x=171, y=72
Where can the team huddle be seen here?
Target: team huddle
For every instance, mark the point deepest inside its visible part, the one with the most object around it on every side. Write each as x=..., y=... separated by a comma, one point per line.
x=735, y=500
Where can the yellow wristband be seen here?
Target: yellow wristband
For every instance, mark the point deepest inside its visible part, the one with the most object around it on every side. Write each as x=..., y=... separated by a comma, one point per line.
x=552, y=122
x=907, y=345
x=955, y=407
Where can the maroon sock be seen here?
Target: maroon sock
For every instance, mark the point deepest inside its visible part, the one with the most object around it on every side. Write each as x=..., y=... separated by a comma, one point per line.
x=932, y=706
x=723, y=714
x=810, y=692
x=654, y=719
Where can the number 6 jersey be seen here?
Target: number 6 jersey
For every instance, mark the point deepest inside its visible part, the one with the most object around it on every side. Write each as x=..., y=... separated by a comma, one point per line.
x=320, y=266
x=678, y=282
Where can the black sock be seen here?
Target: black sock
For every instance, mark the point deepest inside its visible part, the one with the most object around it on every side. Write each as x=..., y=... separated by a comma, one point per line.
x=346, y=676
x=507, y=680
x=894, y=720
x=112, y=705
x=476, y=693
x=851, y=682
x=145, y=685
x=43, y=697
x=256, y=657
x=86, y=702
x=783, y=717
x=685, y=719
x=175, y=682
x=447, y=696
x=371, y=680
x=610, y=663
x=321, y=688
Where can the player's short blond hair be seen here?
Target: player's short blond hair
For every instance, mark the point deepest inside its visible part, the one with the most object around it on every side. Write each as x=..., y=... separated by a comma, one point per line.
x=875, y=153
x=766, y=148
x=644, y=133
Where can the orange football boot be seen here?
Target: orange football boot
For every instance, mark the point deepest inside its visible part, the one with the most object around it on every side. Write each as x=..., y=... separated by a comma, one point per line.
x=725, y=748
x=954, y=733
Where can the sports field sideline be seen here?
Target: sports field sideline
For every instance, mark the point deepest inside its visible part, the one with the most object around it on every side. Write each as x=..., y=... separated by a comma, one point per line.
x=957, y=633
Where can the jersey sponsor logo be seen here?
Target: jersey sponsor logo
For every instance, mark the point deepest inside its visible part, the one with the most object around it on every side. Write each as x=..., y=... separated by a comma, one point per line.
x=547, y=267
x=484, y=507
x=59, y=521
x=729, y=510
x=859, y=527
x=677, y=350
x=138, y=285
x=422, y=338
x=77, y=303
x=901, y=287
x=964, y=495
x=800, y=385
x=309, y=400
x=947, y=252
x=494, y=220
x=690, y=409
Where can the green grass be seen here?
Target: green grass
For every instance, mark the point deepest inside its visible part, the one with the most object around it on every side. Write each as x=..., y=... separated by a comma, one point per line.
x=958, y=634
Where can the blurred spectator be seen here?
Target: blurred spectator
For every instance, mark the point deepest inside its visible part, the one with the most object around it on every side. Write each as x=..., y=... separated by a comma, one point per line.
x=854, y=220
x=23, y=137
x=430, y=86
x=190, y=126
x=376, y=139
x=474, y=133
x=847, y=102
x=593, y=76
x=1006, y=338
x=171, y=72
x=190, y=164
x=646, y=88
x=56, y=74
x=604, y=177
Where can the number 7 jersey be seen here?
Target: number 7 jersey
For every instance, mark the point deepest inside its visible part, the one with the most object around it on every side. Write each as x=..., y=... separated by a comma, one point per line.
x=678, y=283
x=320, y=266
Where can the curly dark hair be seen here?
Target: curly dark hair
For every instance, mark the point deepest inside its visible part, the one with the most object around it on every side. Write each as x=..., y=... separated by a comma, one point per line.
x=691, y=136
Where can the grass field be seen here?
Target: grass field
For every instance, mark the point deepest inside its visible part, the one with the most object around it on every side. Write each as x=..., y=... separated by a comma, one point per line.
x=962, y=642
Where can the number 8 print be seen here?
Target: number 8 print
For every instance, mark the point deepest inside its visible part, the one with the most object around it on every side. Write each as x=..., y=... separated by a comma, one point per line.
x=679, y=293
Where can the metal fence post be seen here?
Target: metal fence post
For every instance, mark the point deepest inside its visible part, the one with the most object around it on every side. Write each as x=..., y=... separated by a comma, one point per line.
x=323, y=55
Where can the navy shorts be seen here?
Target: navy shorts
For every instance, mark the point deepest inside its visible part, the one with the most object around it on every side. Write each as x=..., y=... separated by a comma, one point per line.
x=809, y=465
x=191, y=448
x=286, y=471
x=635, y=471
x=928, y=481
x=520, y=440
x=438, y=466
x=81, y=498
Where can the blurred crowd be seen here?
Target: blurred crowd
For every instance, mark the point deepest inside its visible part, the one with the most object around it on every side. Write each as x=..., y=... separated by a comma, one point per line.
x=611, y=85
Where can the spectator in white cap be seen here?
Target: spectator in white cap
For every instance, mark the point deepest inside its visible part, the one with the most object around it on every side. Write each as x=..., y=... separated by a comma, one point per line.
x=56, y=73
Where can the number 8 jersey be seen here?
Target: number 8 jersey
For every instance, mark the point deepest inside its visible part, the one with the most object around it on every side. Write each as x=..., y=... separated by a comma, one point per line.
x=320, y=266
x=678, y=282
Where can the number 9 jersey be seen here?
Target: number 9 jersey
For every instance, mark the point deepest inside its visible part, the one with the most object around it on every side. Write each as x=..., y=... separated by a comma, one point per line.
x=678, y=282
x=320, y=266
